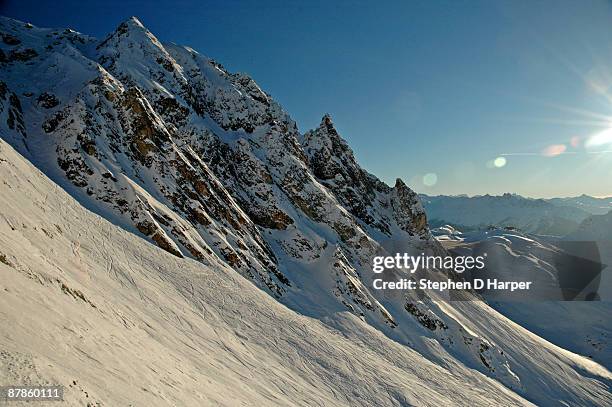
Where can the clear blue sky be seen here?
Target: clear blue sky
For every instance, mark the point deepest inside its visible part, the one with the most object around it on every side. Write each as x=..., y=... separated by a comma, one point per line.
x=441, y=87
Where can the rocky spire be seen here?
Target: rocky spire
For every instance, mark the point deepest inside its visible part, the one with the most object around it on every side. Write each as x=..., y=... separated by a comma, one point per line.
x=333, y=162
x=408, y=210
x=329, y=154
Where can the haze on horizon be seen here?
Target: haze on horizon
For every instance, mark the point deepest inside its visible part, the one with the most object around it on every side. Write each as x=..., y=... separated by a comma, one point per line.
x=471, y=98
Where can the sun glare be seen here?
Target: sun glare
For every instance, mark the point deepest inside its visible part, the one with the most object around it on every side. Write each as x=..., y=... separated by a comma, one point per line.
x=603, y=138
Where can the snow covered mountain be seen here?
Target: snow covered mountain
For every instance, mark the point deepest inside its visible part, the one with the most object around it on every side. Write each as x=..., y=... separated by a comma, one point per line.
x=163, y=145
x=509, y=210
x=579, y=326
x=590, y=204
x=596, y=227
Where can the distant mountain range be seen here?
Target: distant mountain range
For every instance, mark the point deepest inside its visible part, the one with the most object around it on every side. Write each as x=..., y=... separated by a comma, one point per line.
x=557, y=216
x=590, y=204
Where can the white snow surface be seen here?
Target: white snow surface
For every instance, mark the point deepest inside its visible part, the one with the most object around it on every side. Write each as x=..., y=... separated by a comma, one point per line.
x=580, y=326
x=85, y=302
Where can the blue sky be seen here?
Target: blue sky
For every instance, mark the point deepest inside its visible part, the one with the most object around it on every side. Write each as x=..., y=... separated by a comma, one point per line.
x=417, y=88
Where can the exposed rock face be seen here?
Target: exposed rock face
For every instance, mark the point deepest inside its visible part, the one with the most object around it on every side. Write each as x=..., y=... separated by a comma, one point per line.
x=407, y=209
x=10, y=40
x=365, y=196
x=11, y=114
x=47, y=100
x=204, y=164
x=332, y=161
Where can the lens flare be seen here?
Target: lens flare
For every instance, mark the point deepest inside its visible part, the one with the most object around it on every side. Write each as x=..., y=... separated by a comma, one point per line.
x=554, y=150
x=500, y=162
x=430, y=179
x=575, y=141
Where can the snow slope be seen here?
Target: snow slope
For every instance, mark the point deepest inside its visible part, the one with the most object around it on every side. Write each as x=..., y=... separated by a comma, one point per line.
x=580, y=326
x=119, y=321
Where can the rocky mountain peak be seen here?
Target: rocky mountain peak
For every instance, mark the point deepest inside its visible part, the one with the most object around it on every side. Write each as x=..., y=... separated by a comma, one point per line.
x=369, y=199
x=130, y=27
x=135, y=22
x=327, y=127
x=329, y=153
x=132, y=42
x=328, y=122
x=408, y=210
